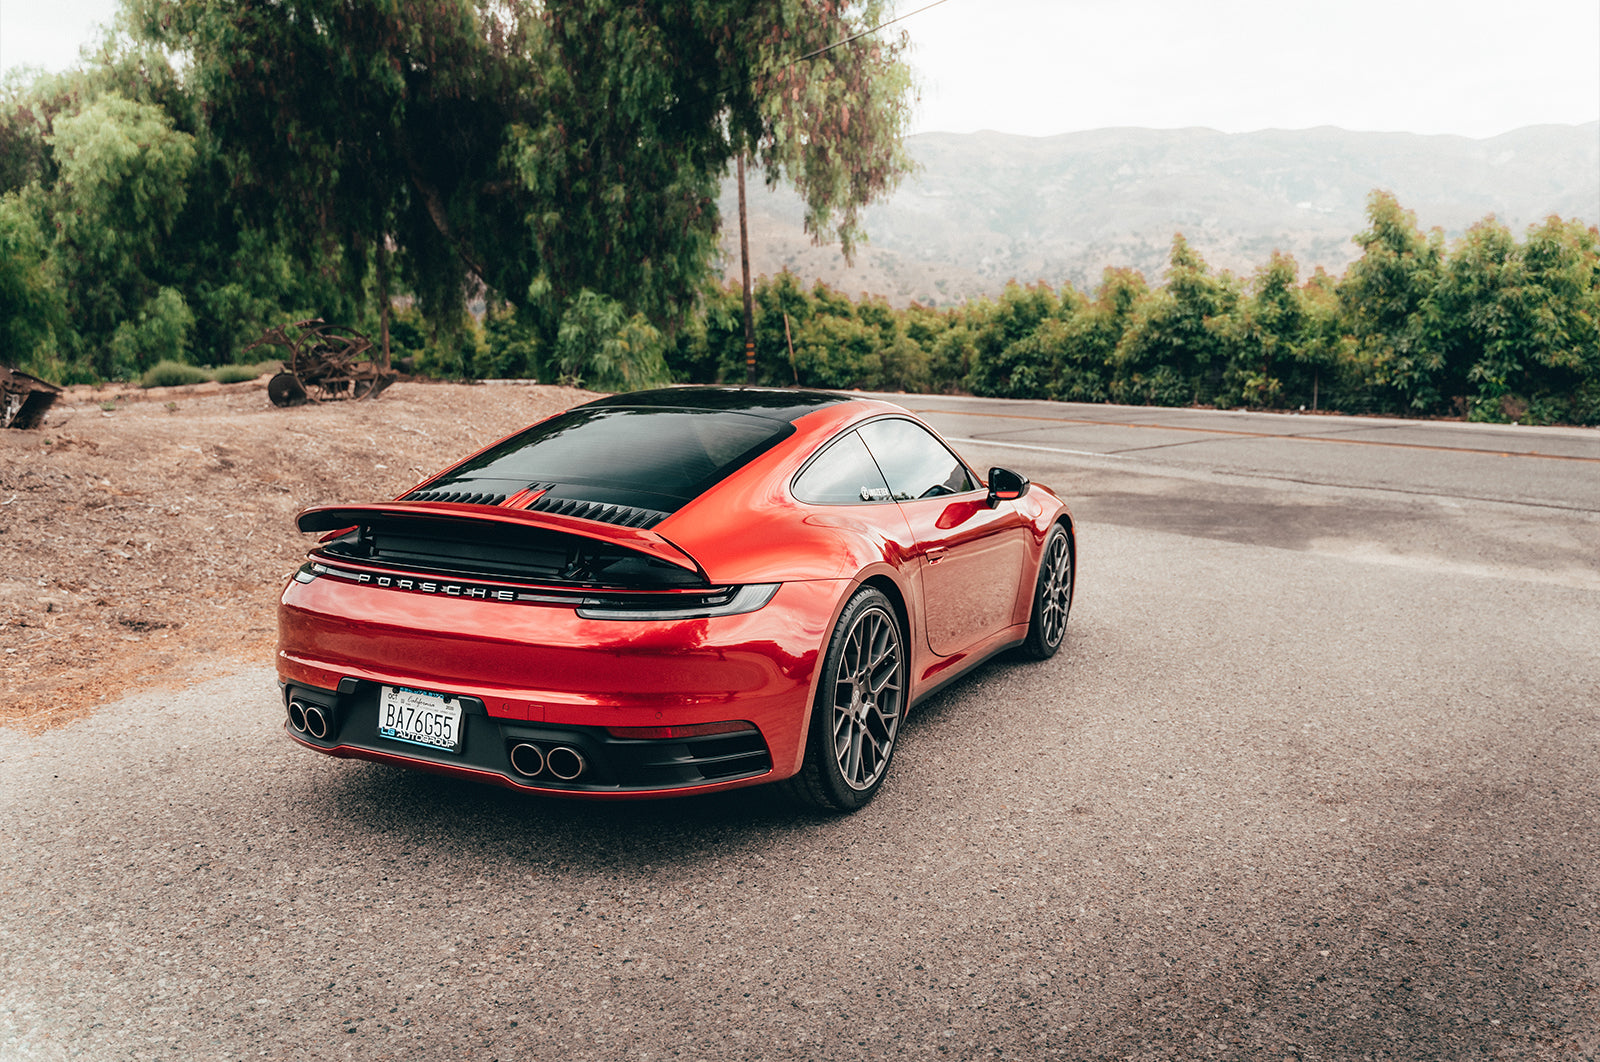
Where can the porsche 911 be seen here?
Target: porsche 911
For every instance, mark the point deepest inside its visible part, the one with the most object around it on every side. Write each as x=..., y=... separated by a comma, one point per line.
x=671, y=592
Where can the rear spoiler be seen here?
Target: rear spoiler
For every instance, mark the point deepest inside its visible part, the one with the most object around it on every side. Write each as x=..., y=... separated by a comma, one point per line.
x=649, y=543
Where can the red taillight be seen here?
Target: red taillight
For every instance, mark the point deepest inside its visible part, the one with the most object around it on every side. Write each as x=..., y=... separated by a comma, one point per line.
x=662, y=733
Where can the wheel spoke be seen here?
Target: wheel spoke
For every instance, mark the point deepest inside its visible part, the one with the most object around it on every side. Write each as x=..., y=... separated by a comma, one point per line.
x=886, y=718
x=852, y=766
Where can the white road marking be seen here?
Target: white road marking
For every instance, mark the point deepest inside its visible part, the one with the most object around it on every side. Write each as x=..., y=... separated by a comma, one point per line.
x=1040, y=449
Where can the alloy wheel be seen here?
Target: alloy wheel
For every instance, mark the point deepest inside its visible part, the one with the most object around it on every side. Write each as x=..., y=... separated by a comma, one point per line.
x=868, y=698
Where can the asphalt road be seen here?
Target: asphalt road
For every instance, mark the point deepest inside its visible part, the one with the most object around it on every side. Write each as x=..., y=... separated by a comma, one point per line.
x=1315, y=777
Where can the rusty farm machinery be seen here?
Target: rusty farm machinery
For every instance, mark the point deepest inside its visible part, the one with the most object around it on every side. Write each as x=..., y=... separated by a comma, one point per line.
x=324, y=364
x=24, y=398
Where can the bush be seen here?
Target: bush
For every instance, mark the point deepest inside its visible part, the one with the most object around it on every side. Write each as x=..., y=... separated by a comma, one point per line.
x=173, y=374
x=241, y=373
x=599, y=347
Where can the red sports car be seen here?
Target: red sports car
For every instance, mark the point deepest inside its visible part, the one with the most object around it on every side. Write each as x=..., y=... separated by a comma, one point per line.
x=669, y=592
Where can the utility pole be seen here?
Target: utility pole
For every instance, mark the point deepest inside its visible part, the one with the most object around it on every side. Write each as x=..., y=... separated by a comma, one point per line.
x=749, y=299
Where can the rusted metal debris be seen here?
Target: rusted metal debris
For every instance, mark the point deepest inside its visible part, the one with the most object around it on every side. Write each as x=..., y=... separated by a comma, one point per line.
x=24, y=398
x=325, y=364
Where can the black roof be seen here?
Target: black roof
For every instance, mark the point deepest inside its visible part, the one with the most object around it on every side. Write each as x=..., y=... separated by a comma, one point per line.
x=630, y=459
x=784, y=404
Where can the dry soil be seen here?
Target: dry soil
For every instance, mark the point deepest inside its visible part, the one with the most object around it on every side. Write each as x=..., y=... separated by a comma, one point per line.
x=141, y=532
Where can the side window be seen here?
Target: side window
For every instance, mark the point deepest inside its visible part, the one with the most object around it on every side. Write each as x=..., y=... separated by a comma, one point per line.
x=915, y=463
x=843, y=474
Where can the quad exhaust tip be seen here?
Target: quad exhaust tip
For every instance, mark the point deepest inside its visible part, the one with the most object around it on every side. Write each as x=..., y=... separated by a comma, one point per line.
x=308, y=719
x=563, y=762
x=527, y=759
x=316, y=722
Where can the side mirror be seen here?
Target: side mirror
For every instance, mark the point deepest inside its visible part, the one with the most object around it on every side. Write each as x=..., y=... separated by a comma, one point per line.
x=1006, y=485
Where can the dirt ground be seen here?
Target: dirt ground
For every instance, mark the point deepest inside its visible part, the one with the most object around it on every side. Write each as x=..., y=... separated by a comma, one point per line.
x=142, y=533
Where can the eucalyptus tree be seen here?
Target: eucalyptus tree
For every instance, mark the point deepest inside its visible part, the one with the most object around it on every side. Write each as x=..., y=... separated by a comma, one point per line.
x=538, y=150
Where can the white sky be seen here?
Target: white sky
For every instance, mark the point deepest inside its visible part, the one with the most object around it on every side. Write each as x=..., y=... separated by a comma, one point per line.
x=1469, y=67
x=1040, y=67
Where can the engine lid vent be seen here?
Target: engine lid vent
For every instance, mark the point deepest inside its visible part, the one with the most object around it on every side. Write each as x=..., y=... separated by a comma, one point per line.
x=462, y=497
x=619, y=515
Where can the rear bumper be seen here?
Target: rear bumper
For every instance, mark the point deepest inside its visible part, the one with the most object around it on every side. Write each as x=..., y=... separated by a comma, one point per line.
x=540, y=675
x=606, y=765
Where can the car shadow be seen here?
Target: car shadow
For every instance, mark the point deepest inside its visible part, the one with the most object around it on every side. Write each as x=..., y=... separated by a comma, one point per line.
x=455, y=818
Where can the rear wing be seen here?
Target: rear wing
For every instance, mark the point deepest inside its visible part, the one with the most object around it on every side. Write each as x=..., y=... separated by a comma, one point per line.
x=491, y=542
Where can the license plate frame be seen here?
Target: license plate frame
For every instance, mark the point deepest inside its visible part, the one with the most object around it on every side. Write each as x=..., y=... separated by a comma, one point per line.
x=421, y=717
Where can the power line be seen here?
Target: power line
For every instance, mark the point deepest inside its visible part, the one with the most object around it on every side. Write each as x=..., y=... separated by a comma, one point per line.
x=864, y=33
x=826, y=48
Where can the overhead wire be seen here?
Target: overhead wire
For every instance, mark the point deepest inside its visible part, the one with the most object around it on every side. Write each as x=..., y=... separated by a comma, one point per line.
x=864, y=33
x=826, y=48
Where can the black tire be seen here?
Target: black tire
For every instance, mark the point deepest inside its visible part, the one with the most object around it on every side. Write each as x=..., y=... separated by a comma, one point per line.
x=285, y=390
x=861, y=700
x=1052, y=598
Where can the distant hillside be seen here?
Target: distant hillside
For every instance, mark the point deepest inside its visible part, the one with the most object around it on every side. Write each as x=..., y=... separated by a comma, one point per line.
x=989, y=207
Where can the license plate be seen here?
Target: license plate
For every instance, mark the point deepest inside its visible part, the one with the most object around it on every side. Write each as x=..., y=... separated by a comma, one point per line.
x=420, y=717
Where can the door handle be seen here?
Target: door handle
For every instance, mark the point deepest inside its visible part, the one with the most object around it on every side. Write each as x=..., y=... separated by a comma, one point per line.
x=935, y=555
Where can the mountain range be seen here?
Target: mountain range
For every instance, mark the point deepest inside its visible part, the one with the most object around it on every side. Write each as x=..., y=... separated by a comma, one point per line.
x=986, y=208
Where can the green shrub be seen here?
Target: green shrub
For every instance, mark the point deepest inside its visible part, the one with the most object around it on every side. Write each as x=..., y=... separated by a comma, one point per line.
x=236, y=373
x=172, y=374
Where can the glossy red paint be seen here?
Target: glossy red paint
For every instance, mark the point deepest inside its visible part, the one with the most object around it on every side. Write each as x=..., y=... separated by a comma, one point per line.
x=960, y=574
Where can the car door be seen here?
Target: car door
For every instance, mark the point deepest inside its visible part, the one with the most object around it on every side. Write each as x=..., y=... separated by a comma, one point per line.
x=971, y=555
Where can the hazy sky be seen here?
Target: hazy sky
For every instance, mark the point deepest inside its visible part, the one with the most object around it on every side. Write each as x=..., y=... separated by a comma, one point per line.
x=1039, y=67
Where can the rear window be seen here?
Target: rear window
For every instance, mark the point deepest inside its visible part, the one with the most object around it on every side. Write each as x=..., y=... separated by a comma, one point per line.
x=651, y=458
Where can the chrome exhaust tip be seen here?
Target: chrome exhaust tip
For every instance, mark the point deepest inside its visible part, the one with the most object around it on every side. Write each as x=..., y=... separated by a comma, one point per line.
x=527, y=759
x=565, y=763
x=297, y=716
x=316, y=722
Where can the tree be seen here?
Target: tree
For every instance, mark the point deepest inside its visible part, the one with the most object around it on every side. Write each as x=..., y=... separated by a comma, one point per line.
x=711, y=340
x=1562, y=263
x=31, y=310
x=141, y=240
x=1266, y=336
x=783, y=309
x=541, y=150
x=1178, y=343
x=954, y=350
x=1478, y=301
x=1388, y=300
x=1326, y=354
x=834, y=123
x=1094, y=333
x=122, y=185
x=1524, y=318
x=1008, y=358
